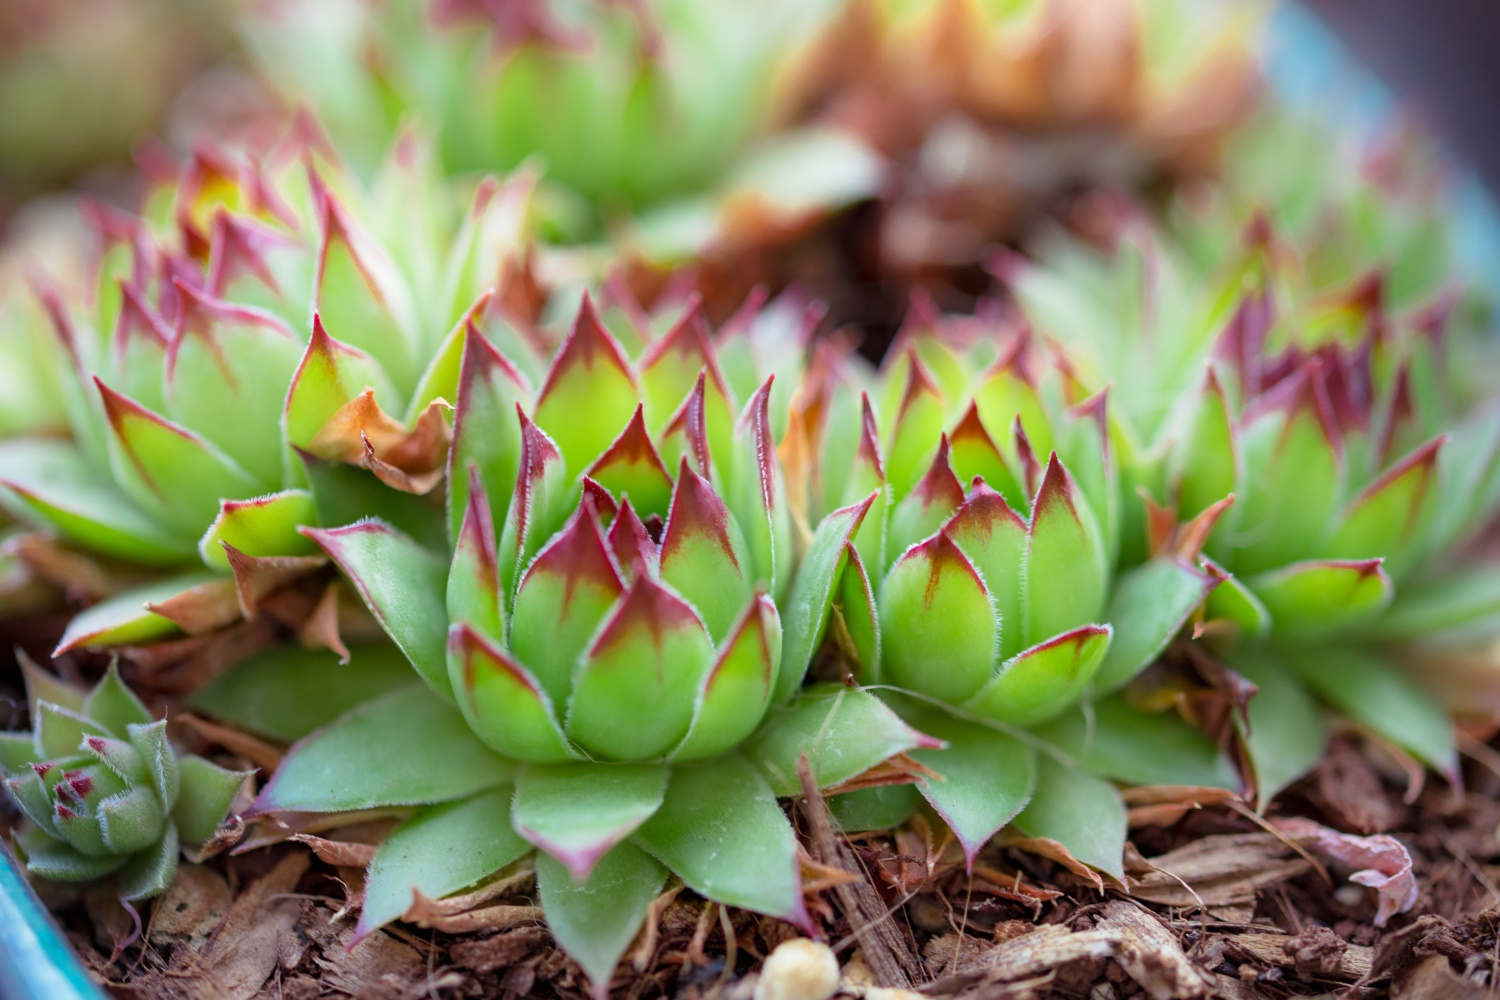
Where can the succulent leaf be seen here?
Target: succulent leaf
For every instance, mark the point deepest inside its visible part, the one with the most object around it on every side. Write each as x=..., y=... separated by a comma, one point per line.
x=985, y=776
x=935, y=609
x=577, y=813
x=502, y=701
x=720, y=829
x=1038, y=683
x=285, y=693
x=638, y=679
x=1081, y=812
x=405, y=747
x=596, y=919
x=843, y=732
x=419, y=855
x=737, y=688
x=1138, y=747
x=402, y=584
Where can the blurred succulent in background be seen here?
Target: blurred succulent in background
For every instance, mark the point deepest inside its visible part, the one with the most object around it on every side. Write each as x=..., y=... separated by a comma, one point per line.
x=103, y=790
x=981, y=596
x=626, y=104
x=1328, y=371
x=240, y=352
x=58, y=56
x=612, y=653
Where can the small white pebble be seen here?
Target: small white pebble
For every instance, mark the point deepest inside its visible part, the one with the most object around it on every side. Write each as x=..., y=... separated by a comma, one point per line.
x=1349, y=895
x=798, y=970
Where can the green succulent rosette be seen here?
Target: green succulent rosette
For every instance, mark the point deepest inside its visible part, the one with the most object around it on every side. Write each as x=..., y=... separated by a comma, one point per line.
x=1328, y=371
x=269, y=344
x=103, y=791
x=983, y=597
x=610, y=651
x=625, y=106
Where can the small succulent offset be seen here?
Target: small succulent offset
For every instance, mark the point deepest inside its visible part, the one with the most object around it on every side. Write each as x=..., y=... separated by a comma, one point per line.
x=210, y=406
x=103, y=790
x=612, y=653
x=981, y=596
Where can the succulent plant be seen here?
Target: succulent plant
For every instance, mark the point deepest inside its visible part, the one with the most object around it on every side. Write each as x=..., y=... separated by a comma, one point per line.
x=211, y=405
x=595, y=90
x=103, y=790
x=1329, y=372
x=612, y=652
x=981, y=596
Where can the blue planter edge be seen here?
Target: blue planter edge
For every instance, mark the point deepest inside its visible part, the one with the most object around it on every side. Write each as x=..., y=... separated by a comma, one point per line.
x=36, y=962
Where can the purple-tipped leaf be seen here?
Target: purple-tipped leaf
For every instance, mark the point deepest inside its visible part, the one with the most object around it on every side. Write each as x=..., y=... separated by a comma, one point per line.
x=503, y=703
x=403, y=585
x=638, y=680
x=939, y=628
x=578, y=812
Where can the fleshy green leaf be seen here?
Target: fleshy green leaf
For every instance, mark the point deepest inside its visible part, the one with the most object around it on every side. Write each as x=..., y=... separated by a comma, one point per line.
x=1461, y=602
x=206, y=793
x=1294, y=476
x=51, y=481
x=1081, y=812
x=595, y=921
x=1150, y=605
x=403, y=585
x=168, y=469
x=1286, y=732
x=1232, y=601
x=503, y=702
x=703, y=553
x=286, y=692
x=149, y=872
x=123, y=618
x=843, y=731
x=563, y=596
x=806, y=608
x=1318, y=597
x=1377, y=694
x=261, y=526
x=721, y=831
x=637, y=682
x=931, y=502
x=113, y=705
x=994, y=538
x=226, y=360
x=439, y=851
x=1385, y=519
x=590, y=391
x=939, y=628
x=1116, y=740
x=1038, y=683
x=59, y=731
x=986, y=777
x=131, y=820
x=404, y=748
x=737, y=688
x=631, y=467
x=150, y=741
x=883, y=807
x=50, y=858
x=1206, y=461
x=578, y=812
x=330, y=374
x=1066, y=578
x=486, y=434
